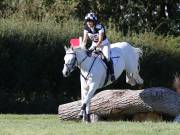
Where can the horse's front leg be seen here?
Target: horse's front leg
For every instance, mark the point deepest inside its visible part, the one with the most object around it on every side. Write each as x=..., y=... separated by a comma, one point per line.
x=87, y=100
x=82, y=114
x=83, y=106
x=88, y=88
x=84, y=91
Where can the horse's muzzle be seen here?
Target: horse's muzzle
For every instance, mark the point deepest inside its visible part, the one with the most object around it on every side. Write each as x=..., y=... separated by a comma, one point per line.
x=65, y=73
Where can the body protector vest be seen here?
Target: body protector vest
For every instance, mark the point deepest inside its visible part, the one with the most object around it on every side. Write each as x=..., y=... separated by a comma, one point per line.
x=94, y=32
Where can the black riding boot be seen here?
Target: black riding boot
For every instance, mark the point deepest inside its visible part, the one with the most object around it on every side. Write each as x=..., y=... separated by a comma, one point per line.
x=111, y=69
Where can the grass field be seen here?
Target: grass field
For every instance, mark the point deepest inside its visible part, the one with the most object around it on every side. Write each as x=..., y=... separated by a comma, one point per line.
x=51, y=125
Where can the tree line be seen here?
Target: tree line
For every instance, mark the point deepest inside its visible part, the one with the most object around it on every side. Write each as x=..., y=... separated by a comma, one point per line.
x=159, y=16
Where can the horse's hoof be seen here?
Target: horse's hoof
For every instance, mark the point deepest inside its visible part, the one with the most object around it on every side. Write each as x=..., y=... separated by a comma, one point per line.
x=80, y=115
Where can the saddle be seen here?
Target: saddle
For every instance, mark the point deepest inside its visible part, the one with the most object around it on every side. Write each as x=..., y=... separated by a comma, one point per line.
x=97, y=53
x=109, y=64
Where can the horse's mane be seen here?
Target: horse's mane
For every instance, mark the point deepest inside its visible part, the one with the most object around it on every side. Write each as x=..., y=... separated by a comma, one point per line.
x=79, y=48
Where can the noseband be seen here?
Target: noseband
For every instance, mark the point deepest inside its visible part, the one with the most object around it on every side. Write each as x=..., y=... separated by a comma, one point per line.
x=72, y=64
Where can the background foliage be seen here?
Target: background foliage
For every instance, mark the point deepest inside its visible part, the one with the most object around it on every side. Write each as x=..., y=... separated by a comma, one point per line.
x=33, y=34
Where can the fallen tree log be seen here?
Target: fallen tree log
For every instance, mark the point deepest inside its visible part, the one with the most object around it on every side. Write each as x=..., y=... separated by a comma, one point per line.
x=116, y=103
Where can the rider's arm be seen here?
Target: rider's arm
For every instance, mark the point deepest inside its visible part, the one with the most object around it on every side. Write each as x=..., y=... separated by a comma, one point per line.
x=85, y=37
x=100, y=39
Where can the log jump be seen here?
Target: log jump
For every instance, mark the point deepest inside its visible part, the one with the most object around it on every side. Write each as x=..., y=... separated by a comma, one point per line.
x=114, y=104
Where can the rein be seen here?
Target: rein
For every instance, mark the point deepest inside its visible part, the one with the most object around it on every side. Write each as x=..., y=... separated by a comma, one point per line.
x=74, y=62
x=89, y=69
x=79, y=63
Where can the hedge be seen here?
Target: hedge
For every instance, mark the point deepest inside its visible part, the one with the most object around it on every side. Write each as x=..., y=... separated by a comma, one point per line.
x=31, y=62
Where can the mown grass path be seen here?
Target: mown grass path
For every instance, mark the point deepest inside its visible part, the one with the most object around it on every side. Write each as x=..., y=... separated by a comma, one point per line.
x=51, y=125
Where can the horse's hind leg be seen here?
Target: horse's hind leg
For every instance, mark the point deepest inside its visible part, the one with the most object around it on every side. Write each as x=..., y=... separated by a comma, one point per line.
x=129, y=79
x=137, y=78
x=82, y=112
x=133, y=78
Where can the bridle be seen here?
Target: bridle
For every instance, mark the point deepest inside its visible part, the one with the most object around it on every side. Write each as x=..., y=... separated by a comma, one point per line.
x=73, y=63
x=71, y=66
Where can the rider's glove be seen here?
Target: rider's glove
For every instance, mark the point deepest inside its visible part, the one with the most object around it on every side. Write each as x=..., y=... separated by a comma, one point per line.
x=92, y=48
x=98, y=49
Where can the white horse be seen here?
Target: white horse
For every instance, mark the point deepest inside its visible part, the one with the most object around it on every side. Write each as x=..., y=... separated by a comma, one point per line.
x=93, y=71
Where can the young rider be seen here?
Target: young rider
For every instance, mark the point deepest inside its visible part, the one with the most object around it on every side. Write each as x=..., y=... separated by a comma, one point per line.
x=96, y=32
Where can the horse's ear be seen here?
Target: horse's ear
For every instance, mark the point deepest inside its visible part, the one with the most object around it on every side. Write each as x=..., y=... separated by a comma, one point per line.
x=65, y=48
x=72, y=48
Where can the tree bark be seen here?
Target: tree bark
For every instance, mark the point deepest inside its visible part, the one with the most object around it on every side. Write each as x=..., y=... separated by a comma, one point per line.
x=116, y=103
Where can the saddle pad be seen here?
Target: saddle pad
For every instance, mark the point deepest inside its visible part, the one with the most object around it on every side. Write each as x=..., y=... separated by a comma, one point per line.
x=115, y=59
x=114, y=56
x=74, y=42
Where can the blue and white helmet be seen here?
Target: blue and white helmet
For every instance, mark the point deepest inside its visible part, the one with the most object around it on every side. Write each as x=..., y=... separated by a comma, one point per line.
x=90, y=17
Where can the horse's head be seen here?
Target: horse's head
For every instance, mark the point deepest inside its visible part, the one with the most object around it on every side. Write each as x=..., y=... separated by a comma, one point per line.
x=70, y=62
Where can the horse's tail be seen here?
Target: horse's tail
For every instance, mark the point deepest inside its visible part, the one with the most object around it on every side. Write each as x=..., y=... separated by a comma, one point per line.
x=131, y=56
x=136, y=76
x=133, y=77
x=139, y=54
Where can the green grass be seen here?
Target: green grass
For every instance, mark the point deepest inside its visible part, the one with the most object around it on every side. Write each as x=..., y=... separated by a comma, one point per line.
x=51, y=125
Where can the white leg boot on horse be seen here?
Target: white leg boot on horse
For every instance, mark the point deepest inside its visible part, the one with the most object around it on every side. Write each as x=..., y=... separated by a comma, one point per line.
x=88, y=113
x=84, y=114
